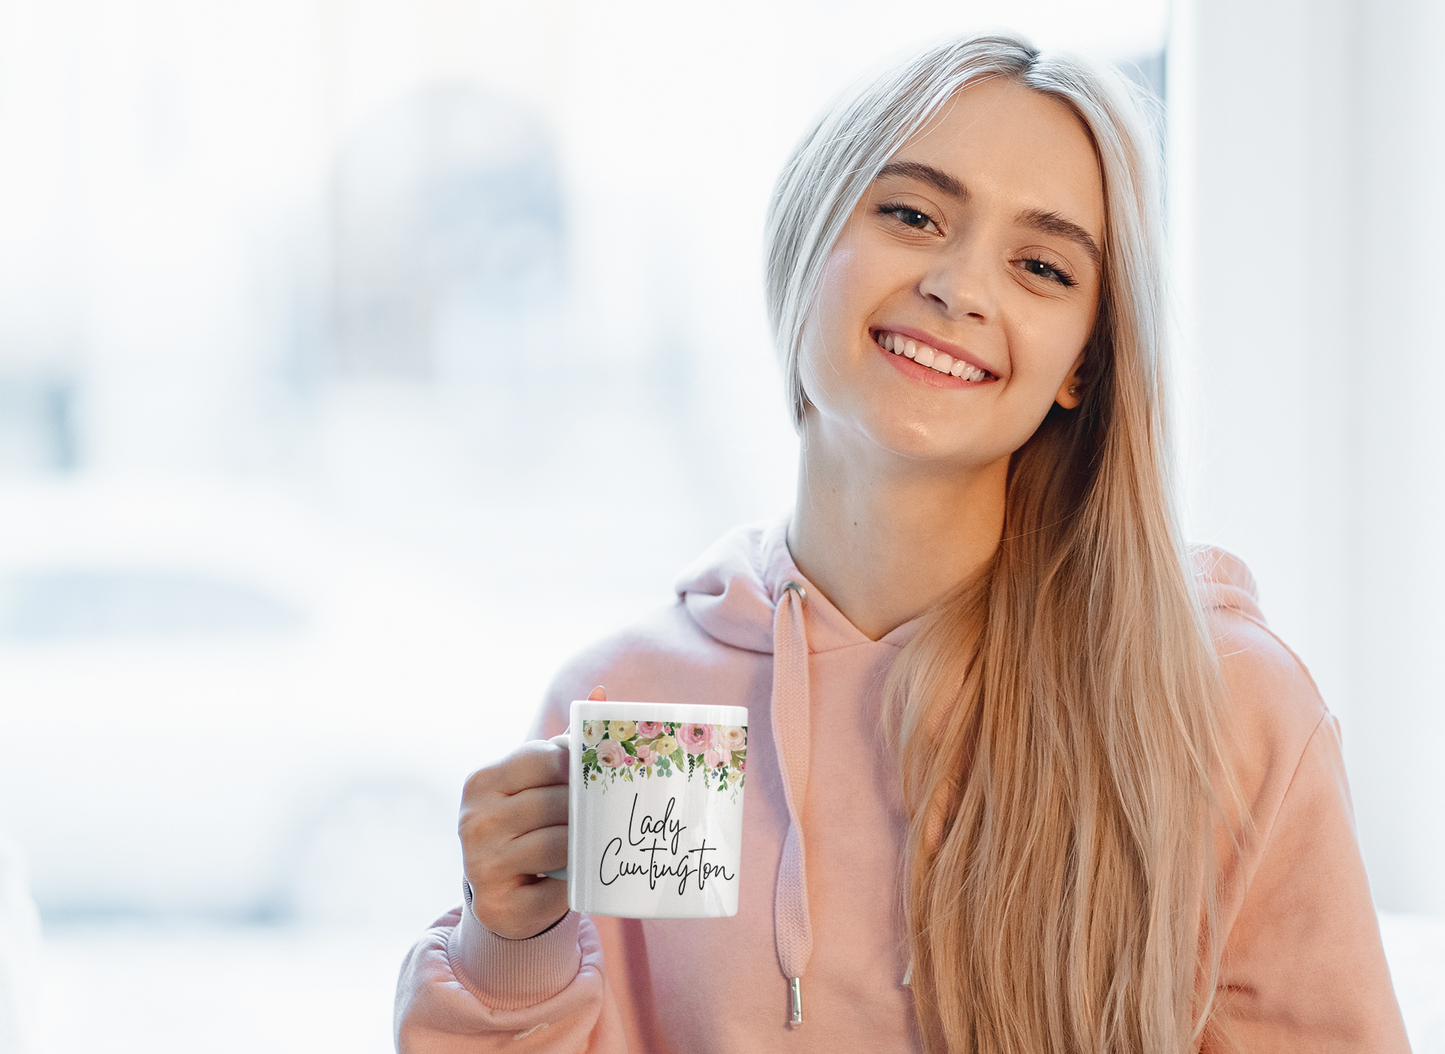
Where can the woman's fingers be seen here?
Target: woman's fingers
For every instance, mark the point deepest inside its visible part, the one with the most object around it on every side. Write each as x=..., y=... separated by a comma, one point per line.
x=534, y=809
x=513, y=827
x=542, y=904
x=515, y=796
x=524, y=912
x=537, y=763
x=520, y=861
x=537, y=852
x=507, y=896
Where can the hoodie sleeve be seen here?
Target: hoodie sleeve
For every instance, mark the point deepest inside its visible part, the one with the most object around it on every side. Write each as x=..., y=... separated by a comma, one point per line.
x=1303, y=967
x=463, y=990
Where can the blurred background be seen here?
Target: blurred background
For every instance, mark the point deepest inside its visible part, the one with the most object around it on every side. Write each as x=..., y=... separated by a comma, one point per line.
x=360, y=360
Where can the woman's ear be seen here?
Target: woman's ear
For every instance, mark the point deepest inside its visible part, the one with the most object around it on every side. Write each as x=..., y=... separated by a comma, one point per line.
x=1071, y=392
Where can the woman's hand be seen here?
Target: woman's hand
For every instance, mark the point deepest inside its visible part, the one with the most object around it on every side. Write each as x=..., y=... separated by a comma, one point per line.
x=514, y=828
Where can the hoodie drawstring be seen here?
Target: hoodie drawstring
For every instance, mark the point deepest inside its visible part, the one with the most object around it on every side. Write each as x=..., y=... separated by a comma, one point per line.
x=792, y=926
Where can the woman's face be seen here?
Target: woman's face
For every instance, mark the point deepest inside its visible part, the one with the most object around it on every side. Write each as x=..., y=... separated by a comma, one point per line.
x=980, y=242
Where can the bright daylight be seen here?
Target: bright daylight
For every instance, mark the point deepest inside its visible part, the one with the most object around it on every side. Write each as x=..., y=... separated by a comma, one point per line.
x=361, y=362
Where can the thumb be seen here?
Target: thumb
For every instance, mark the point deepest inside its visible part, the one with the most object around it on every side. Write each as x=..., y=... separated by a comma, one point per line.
x=598, y=695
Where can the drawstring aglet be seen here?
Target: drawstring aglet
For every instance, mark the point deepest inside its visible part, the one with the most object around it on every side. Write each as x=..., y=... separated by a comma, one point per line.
x=795, y=990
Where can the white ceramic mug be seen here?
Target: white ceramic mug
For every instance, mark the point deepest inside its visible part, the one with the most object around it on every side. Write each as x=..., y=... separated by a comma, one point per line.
x=655, y=809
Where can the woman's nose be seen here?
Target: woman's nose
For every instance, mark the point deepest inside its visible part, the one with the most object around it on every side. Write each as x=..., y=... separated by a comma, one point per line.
x=960, y=282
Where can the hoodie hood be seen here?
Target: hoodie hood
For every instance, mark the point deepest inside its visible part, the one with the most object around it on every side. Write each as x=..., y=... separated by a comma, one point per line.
x=1225, y=584
x=732, y=588
x=732, y=592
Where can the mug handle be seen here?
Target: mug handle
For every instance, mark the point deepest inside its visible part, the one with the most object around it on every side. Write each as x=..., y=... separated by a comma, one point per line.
x=565, y=742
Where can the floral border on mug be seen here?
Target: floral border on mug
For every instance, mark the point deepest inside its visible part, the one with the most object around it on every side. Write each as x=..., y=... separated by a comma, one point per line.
x=631, y=750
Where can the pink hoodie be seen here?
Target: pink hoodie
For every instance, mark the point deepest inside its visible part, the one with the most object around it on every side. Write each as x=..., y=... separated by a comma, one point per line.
x=820, y=885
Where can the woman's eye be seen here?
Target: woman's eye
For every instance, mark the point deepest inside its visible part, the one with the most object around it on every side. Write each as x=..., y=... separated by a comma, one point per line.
x=1047, y=271
x=919, y=221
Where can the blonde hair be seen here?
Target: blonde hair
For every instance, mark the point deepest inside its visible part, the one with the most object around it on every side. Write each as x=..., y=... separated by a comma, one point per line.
x=1057, y=718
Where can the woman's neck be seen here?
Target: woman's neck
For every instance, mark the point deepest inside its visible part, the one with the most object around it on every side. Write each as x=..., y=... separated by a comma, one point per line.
x=886, y=538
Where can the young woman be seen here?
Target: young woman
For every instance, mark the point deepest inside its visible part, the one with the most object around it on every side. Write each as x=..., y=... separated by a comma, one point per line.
x=1023, y=774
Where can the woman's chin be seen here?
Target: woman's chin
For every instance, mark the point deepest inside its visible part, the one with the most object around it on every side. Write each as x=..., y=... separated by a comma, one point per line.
x=892, y=447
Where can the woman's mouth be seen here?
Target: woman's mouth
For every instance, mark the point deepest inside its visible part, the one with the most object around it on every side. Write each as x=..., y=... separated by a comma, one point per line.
x=939, y=361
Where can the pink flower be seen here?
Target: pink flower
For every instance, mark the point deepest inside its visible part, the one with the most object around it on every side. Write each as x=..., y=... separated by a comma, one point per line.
x=645, y=756
x=648, y=729
x=611, y=754
x=716, y=758
x=693, y=737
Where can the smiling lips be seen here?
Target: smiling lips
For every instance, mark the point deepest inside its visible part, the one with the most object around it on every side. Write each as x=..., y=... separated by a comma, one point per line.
x=940, y=361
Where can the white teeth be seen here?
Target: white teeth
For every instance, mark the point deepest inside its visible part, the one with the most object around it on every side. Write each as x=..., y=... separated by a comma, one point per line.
x=922, y=354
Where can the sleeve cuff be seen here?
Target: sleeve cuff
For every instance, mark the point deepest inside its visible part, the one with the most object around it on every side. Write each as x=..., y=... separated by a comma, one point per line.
x=510, y=975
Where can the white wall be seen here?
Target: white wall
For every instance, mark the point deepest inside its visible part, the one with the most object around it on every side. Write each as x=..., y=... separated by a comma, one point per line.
x=1307, y=143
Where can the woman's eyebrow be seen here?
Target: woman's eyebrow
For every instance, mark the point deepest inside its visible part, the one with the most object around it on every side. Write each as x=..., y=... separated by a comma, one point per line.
x=1039, y=219
x=934, y=177
x=1053, y=223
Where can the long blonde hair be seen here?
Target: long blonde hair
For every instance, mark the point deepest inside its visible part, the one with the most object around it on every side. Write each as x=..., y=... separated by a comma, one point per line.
x=1056, y=720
